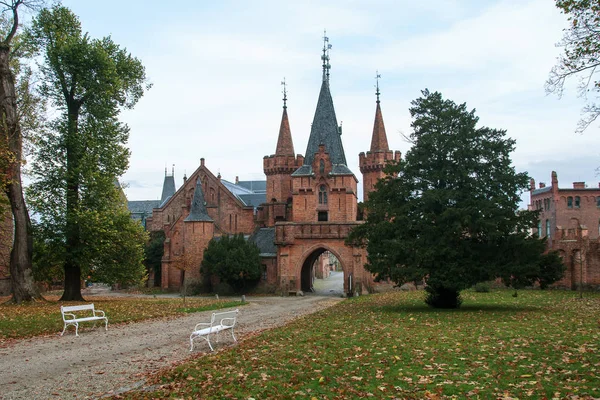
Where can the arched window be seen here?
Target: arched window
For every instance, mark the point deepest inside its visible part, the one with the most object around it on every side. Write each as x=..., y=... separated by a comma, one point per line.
x=548, y=227
x=598, y=201
x=322, y=194
x=569, y=202
x=577, y=202
x=540, y=229
x=322, y=166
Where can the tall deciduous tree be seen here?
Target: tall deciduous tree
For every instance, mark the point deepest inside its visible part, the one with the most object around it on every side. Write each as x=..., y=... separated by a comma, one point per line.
x=90, y=81
x=11, y=160
x=581, y=57
x=447, y=213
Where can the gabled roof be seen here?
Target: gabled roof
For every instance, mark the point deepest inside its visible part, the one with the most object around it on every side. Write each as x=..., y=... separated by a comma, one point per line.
x=198, y=210
x=324, y=131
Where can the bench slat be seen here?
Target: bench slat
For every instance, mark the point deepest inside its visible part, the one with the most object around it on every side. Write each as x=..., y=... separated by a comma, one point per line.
x=77, y=308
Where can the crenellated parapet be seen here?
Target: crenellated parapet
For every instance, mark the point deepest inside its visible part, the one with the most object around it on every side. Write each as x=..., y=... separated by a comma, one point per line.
x=376, y=161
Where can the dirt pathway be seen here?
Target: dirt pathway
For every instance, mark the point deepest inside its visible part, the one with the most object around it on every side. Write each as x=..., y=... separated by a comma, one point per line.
x=98, y=363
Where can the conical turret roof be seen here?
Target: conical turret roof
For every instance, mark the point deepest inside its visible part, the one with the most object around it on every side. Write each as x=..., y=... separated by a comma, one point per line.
x=379, y=140
x=198, y=210
x=285, y=145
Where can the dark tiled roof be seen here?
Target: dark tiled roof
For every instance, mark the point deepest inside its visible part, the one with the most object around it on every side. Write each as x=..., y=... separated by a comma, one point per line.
x=542, y=190
x=168, y=188
x=198, y=210
x=306, y=170
x=264, y=238
x=254, y=199
x=142, y=206
x=325, y=130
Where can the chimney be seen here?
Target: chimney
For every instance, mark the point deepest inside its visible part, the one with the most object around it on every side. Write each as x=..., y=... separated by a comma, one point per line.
x=202, y=162
x=578, y=185
x=531, y=184
x=542, y=185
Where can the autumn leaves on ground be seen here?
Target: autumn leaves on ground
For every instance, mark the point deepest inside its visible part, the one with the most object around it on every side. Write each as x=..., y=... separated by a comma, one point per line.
x=541, y=344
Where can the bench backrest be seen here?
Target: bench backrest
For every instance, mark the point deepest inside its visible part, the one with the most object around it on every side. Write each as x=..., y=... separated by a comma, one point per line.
x=227, y=318
x=82, y=307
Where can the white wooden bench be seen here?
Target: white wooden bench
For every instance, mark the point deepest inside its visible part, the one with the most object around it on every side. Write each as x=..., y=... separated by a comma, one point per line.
x=218, y=323
x=83, y=315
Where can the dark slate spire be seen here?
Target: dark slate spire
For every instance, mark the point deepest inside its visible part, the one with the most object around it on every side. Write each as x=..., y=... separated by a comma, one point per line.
x=379, y=140
x=325, y=129
x=285, y=145
x=198, y=210
x=168, y=186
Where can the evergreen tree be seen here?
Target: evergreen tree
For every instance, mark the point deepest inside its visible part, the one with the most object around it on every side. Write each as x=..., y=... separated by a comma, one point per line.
x=447, y=213
x=234, y=260
x=78, y=163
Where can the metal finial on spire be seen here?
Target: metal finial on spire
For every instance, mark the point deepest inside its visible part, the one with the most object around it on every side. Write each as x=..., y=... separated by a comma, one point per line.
x=377, y=76
x=325, y=57
x=284, y=93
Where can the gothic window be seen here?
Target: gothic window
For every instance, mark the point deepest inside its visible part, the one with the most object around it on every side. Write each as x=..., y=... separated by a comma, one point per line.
x=548, y=227
x=569, y=202
x=322, y=194
x=540, y=229
x=264, y=273
x=322, y=166
x=577, y=202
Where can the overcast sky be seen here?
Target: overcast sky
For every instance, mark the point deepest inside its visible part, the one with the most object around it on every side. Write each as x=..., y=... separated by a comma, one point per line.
x=217, y=66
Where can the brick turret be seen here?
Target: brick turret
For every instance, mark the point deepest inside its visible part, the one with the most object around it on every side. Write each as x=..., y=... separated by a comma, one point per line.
x=278, y=168
x=372, y=163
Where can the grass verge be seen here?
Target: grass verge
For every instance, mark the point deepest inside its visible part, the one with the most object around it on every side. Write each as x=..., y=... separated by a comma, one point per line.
x=25, y=320
x=542, y=344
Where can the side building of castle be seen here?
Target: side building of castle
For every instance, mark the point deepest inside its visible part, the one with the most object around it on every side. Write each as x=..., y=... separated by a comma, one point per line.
x=570, y=220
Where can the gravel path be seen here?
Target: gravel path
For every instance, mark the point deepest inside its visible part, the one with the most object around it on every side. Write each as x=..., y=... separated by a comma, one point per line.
x=99, y=363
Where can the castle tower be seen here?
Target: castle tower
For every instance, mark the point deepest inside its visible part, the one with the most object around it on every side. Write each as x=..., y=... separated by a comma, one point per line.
x=324, y=188
x=278, y=168
x=372, y=164
x=168, y=186
x=198, y=230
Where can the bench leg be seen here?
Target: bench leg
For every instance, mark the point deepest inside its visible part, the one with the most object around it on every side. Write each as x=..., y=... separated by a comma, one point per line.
x=63, y=332
x=76, y=329
x=234, y=339
x=106, y=324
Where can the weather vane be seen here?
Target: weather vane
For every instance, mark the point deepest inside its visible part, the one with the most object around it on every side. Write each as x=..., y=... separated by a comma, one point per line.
x=377, y=76
x=325, y=56
x=284, y=93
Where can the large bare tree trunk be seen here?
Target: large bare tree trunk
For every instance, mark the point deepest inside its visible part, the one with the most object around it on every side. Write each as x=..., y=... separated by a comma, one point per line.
x=21, y=274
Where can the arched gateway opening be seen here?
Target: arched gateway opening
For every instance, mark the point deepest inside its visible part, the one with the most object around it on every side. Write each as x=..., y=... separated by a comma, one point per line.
x=322, y=273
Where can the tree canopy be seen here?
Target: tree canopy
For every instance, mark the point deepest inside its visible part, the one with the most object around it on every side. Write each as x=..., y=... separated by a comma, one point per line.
x=234, y=260
x=448, y=212
x=581, y=56
x=79, y=159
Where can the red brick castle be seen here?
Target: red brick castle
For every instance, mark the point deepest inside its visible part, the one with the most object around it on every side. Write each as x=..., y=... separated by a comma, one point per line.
x=300, y=214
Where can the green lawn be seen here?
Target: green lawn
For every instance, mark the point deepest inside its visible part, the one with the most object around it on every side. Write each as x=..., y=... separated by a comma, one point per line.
x=542, y=344
x=19, y=321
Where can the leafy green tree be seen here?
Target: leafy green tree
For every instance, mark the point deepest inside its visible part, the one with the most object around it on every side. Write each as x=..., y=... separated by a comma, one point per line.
x=447, y=212
x=11, y=151
x=581, y=57
x=153, y=254
x=234, y=260
x=77, y=164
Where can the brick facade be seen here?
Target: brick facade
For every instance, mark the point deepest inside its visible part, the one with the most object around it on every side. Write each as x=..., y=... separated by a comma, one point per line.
x=570, y=220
